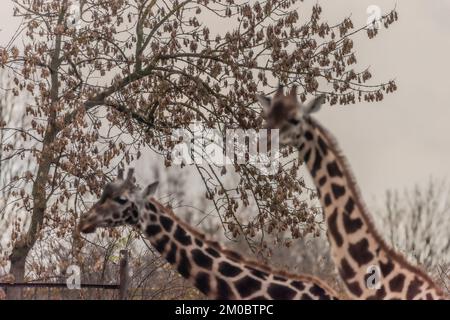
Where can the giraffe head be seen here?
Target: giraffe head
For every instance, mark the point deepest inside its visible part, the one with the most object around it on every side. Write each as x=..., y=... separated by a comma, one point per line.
x=286, y=113
x=119, y=204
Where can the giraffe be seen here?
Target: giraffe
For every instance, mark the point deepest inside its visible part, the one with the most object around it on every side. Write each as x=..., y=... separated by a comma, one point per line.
x=217, y=272
x=369, y=268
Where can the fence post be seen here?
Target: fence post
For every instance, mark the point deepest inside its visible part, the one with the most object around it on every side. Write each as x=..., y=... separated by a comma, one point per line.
x=124, y=275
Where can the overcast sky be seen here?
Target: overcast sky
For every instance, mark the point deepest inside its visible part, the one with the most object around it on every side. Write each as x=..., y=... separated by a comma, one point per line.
x=404, y=139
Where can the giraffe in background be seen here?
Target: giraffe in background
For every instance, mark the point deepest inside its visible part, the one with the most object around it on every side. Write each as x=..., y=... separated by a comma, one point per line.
x=217, y=272
x=358, y=251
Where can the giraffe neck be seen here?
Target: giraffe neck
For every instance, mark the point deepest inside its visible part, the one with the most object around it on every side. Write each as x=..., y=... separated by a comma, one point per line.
x=217, y=272
x=369, y=268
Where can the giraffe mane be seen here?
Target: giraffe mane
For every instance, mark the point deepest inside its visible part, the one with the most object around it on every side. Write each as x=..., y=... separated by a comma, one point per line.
x=353, y=186
x=237, y=256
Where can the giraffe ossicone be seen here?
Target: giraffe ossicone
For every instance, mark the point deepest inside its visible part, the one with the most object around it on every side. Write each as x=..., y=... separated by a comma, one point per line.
x=369, y=268
x=217, y=272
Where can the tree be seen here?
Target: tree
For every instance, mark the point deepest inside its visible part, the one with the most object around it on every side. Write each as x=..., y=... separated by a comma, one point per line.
x=10, y=162
x=117, y=82
x=416, y=222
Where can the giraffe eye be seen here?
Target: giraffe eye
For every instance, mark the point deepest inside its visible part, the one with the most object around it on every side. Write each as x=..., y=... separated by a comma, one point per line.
x=294, y=121
x=121, y=200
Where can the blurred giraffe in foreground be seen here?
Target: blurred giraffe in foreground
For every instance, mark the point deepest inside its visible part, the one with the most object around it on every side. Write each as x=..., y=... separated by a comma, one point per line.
x=357, y=248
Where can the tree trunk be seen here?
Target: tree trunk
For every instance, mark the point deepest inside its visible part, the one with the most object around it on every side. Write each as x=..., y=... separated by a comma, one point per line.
x=18, y=271
x=23, y=246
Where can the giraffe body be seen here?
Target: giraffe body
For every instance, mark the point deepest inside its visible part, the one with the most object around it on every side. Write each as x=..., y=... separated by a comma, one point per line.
x=369, y=268
x=221, y=273
x=217, y=272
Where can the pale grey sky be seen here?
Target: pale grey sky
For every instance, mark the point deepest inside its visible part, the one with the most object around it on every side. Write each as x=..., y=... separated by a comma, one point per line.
x=404, y=139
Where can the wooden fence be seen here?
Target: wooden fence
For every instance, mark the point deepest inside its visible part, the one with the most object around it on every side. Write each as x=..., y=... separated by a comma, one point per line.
x=60, y=291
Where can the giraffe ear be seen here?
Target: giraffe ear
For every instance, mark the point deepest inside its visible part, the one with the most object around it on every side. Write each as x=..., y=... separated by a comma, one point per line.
x=150, y=189
x=264, y=101
x=315, y=104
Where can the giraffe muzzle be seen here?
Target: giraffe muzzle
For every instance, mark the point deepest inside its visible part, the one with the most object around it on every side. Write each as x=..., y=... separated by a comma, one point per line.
x=87, y=225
